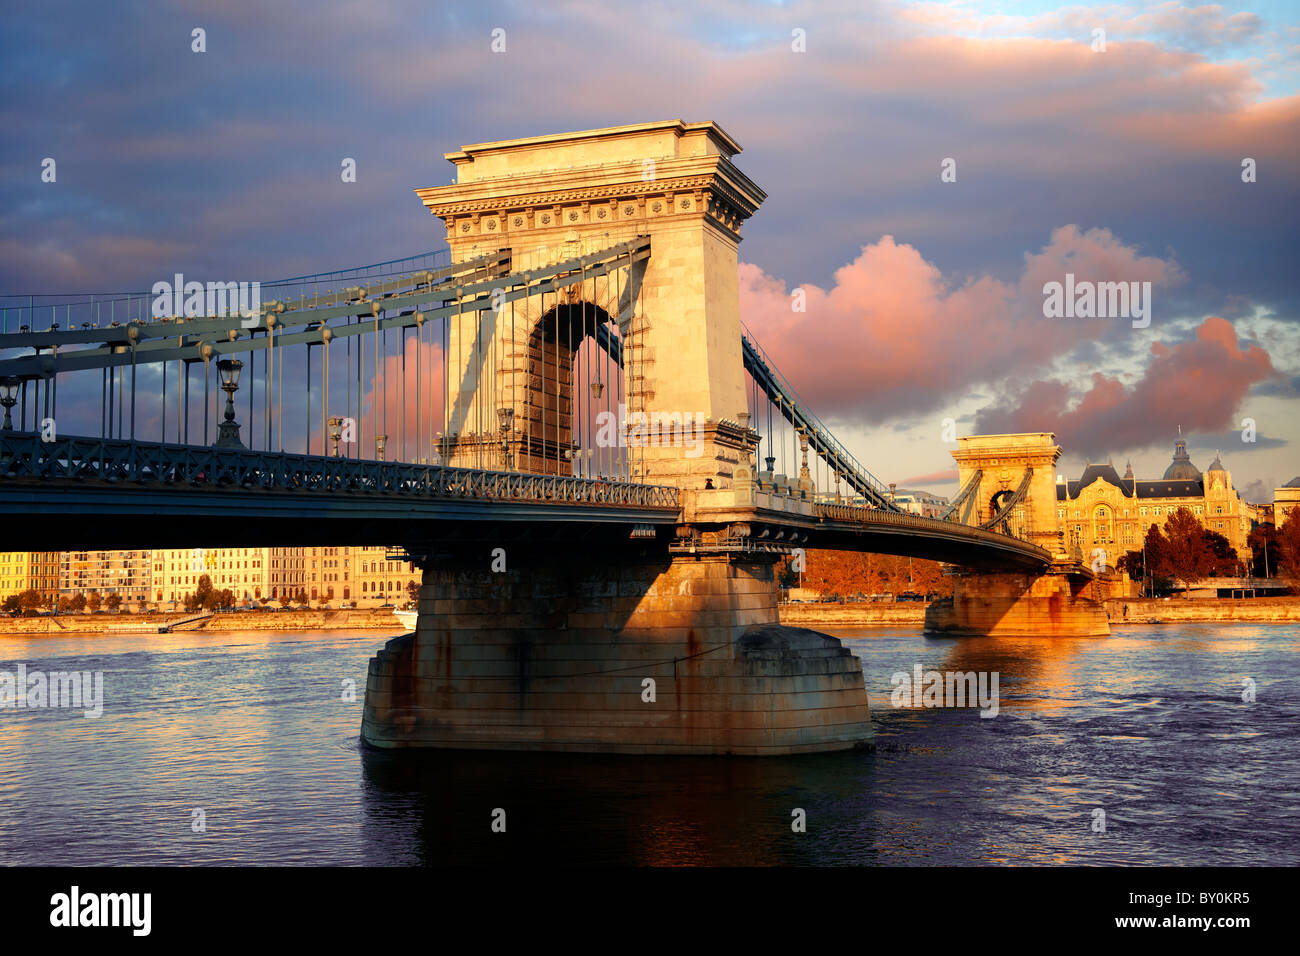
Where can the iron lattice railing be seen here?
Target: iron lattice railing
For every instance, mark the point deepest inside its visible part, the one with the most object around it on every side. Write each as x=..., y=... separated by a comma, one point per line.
x=24, y=456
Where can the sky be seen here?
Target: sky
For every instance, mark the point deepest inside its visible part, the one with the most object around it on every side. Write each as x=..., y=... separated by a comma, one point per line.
x=924, y=297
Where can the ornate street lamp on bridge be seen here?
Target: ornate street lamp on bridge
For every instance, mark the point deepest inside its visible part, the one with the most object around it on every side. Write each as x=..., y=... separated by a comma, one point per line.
x=9, y=386
x=505, y=415
x=228, y=430
x=336, y=432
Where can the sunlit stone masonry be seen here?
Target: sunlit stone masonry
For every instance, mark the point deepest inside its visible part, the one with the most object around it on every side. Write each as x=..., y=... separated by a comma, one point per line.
x=610, y=644
x=639, y=654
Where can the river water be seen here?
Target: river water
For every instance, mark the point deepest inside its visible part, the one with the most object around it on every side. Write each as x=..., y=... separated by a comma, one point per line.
x=256, y=731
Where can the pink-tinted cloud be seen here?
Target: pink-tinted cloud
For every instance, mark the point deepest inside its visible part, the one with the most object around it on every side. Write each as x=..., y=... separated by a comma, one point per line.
x=931, y=478
x=893, y=336
x=424, y=405
x=1197, y=384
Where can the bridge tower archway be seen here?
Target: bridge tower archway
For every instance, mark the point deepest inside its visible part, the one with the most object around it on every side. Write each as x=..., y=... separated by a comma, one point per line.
x=570, y=383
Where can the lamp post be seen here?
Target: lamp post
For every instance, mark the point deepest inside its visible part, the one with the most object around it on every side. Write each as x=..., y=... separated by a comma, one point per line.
x=505, y=415
x=379, y=446
x=335, y=433
x=9, y=386
x=228, y=430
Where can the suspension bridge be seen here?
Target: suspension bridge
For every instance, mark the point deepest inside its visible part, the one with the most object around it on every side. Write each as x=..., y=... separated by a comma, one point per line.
x=569, y=382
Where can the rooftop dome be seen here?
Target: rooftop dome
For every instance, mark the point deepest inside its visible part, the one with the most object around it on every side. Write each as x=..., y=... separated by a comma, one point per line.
x=1293, y=483
x=1217, y=465
x=1181, y=469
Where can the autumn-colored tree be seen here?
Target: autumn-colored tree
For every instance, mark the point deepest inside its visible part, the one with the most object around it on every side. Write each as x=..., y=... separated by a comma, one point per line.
x=1155, y=559
x=113, y=602
x=835, y=572
x=1131, y=563
x=201, y=597
x=1223, y=559
x=30, y=600
x=1185, y=553
x=1288, y=546
x=846, y=573
x=78, y=603
x=94, y=602
x=1264, y=552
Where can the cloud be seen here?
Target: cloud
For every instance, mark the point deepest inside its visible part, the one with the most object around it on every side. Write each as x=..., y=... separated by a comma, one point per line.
x=893, y=337
x=424, y=405
x=1205, y=28
x=1256, y=492
x=1197, y=384
x=226, y=164
x=932, y=478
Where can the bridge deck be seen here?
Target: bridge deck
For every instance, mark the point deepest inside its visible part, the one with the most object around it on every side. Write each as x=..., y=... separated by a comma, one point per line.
x=92, y=492
x=74, y=493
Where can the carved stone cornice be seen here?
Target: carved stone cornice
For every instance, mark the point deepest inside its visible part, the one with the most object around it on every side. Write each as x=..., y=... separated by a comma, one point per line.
x=606, y=195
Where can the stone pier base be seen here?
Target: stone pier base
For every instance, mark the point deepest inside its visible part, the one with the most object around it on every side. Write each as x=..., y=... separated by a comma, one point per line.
x=1055, y=603
x=653, y=655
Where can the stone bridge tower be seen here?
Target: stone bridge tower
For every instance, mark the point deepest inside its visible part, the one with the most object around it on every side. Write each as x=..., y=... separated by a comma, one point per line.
x=1060, y=600
x=549, y=198
x=588, y=639
x=1002, y=461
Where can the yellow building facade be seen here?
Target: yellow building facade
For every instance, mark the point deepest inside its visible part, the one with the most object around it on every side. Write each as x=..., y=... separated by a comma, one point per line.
x=243, y=571
x=1105, y=514
x=29, y=570
x=164, y=578
x=1285, y=500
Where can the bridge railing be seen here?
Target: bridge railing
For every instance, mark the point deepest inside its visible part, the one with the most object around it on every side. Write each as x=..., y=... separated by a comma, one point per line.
x=25, y=457
x=850, y=514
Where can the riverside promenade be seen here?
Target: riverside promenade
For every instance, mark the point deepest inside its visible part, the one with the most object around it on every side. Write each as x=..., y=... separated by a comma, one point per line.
x=1279, y=610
